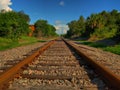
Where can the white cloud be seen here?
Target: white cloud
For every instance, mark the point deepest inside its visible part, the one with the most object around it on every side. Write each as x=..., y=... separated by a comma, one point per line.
x=61, y=27
x=62, y=3
x=4, y=4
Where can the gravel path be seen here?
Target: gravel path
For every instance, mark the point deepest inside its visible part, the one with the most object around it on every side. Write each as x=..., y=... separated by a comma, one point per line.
x=108, y=59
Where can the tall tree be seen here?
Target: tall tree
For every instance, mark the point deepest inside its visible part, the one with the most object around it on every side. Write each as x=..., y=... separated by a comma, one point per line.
x=76, y=27
x=12, y=25
x=43, y=29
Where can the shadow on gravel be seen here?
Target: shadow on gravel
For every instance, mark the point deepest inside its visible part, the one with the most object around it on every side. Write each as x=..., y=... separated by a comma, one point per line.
x=92, y=76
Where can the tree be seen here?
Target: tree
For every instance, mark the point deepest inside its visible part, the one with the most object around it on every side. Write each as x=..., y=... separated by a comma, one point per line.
x=81, y=25
x=98, y=26
x=43, y=29
x=13, y=25
x=24, y=16
x=76, y=27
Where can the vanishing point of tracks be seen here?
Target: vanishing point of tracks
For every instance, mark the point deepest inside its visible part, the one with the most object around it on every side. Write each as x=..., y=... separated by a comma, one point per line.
x=58, y=65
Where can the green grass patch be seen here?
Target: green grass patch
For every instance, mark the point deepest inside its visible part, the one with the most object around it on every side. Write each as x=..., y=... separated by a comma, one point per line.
x=7, y=43
x=93, y=44
x=24, y=40
x=27, y=40
x=114, y=49
x=41, y=41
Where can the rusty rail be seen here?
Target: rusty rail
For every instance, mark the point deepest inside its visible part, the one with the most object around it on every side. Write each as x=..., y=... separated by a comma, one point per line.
x=111, y=79
x=10, y=73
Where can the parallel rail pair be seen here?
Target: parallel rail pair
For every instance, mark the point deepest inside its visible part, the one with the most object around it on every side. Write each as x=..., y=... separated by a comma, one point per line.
x=112, y=79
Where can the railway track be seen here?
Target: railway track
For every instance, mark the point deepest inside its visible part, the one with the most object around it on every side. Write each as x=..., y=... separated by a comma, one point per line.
x=11, y=57
x=112, y=64
x=59, y=67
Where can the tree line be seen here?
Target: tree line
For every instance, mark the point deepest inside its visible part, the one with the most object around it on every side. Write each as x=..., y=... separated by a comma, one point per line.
x=14, y=24
x=97, y=26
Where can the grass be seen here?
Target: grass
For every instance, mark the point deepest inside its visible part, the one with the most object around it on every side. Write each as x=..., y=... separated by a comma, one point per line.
x=25, y=40
x=6, y=43
x=114, y=49
x=93, y=44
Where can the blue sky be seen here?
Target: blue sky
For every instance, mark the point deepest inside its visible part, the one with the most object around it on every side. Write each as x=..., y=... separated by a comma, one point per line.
x=60, y=12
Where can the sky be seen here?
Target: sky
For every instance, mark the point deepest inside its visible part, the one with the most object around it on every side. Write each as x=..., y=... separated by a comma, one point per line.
x=59, y=12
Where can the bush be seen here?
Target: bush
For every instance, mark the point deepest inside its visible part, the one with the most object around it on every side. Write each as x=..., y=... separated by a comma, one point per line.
x=13, y=25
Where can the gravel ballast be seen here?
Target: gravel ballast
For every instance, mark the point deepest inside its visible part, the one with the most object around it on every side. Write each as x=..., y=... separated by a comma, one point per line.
x=17, y=53
x=108, y=59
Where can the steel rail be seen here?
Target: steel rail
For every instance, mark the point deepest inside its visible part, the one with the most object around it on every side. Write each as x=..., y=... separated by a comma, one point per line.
x=109, y=77
x=10, y=73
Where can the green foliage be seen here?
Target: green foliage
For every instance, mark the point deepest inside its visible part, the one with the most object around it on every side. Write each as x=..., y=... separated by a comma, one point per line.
x=24, y=16
x=105, y=32
x=98, y=26
x=43, y=29
x=76, y=28
x=13, y=24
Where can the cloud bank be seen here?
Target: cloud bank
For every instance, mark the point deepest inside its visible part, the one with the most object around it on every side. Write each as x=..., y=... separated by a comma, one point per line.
x=62, y=3
x=61, y=27
x=4, y=4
